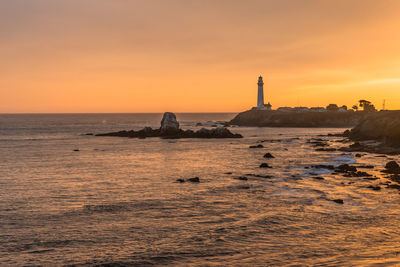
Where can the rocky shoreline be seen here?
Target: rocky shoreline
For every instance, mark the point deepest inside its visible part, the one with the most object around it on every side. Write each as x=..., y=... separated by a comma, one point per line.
x=379, y=133
x=273, y=118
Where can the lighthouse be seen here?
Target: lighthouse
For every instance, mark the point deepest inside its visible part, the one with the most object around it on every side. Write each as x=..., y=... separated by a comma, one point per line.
x=260, y=98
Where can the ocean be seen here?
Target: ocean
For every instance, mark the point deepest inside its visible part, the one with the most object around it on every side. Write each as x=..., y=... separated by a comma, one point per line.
x=70, y=199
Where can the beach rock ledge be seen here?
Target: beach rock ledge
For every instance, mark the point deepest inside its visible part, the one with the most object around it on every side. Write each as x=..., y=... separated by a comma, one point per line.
x=169, y=129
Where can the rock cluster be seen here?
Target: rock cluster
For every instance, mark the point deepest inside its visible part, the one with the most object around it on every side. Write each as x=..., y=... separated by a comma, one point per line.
x=379, y=132
x=170, y=129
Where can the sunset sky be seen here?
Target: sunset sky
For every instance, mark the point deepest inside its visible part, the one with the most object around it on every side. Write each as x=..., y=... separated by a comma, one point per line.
x=196, y=56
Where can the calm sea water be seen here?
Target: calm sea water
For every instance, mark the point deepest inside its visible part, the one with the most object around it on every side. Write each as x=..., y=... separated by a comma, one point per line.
x=115, y=201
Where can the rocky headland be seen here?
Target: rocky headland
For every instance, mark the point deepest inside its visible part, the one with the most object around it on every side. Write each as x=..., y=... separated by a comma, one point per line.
x=169, y=129
x=274, y=118
x=378, y=132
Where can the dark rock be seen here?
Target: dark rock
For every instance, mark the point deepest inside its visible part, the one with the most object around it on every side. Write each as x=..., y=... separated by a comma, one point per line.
x=180, y=180
x=322, y=166
x=395, y=178
x=376, y=188
x=318, y=143
x=169, y=124
x=265, y=165
x=243, y=187
x=358, y=155
x=268, y=156
x=345, y=168
x=339, y=201
x=257, y=146
x=199, y=124
x=392, y=167
x=330, y=149
x=89, y=134
x=318, y=178
x=366, y=167
x=394, y=186
x=242, y=178
x=371, y=178
x=228, y=173
x=76, y=150
x=356, y=174
x=194, y=180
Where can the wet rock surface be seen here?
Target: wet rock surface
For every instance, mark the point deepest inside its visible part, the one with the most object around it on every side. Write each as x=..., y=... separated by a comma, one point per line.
x=268, y=156
x=392, y=167
x=265, y=165
x=256, y=146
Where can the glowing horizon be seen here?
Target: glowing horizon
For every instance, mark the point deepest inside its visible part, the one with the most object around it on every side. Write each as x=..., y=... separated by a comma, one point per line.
x=191, y=56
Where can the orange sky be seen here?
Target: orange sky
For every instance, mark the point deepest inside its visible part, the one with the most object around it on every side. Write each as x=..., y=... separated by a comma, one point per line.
x=196, y=56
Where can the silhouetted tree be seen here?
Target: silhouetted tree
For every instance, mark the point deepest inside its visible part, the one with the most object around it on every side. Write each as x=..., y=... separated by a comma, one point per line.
x=344, y=107
x=355, y=107
x=367, y=105
x=332, y=107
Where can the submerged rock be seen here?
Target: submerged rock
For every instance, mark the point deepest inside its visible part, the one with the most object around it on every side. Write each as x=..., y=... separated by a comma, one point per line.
x=194, y=180
x=265, y=165
x=329, y=149
x=339, y=201
x=322, y=166
x=257, y=146
x=345, y=168
x=376, y=188
x=268, y=156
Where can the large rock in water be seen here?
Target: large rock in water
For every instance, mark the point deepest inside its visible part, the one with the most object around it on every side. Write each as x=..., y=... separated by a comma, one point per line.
x=169, y=124
x=170, y=129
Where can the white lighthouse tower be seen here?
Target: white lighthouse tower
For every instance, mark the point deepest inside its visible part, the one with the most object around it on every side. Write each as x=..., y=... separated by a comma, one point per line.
x=260, y=98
